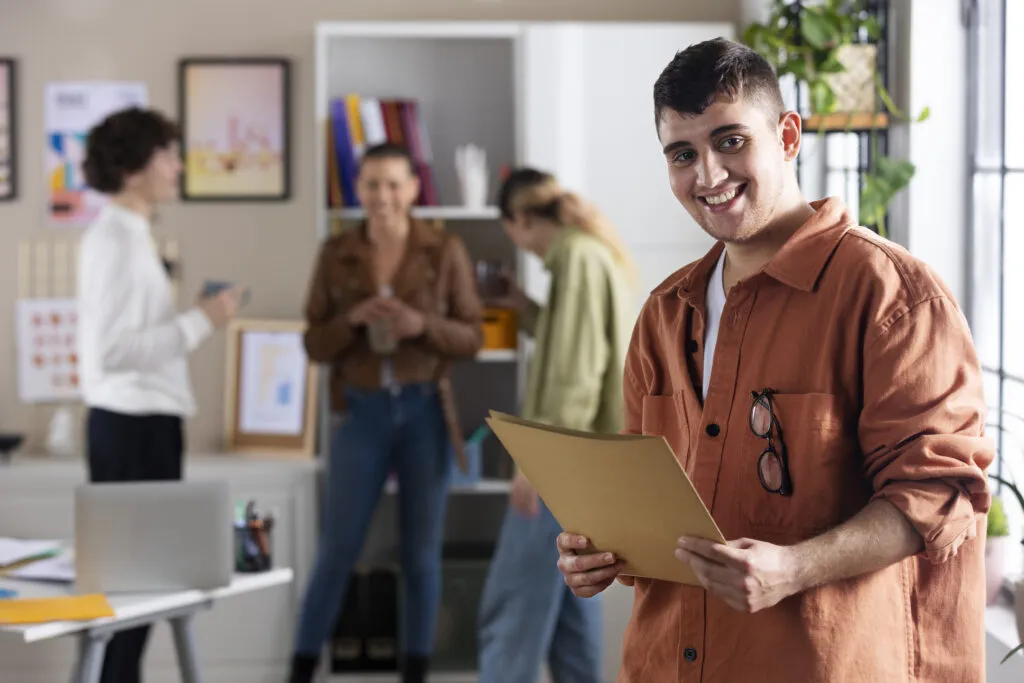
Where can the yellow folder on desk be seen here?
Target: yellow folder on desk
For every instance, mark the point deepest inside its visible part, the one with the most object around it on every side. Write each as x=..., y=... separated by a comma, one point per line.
x=63, y=608
x=626, y=493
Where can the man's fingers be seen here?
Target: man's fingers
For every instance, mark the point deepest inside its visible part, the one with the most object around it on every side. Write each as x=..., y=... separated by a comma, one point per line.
x=591, y=591
x=567, y=541
x=597, y=577
x=626, y=580
x=573, y=564
x=719, y=553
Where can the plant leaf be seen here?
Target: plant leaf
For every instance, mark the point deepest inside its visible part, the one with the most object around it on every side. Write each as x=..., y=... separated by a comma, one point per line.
x=925, y=113
x=873, y=28
x=815, y=28
x=823, y=98
x=1012, y=653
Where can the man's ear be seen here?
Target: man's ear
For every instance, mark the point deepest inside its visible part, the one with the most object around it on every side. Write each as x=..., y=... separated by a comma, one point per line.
x=790, y=134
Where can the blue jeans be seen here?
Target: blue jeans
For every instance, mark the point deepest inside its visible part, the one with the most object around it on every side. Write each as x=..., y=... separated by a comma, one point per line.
x=527, y=613
x=405, y=430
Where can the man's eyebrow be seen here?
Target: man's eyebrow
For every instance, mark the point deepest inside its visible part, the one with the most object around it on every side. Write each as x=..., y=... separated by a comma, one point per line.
x=680, y=144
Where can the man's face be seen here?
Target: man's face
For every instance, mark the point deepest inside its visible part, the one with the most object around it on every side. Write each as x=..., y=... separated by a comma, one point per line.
x=727, y=166
x=158, y=181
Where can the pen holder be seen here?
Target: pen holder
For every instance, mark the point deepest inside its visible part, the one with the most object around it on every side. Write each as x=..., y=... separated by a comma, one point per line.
x=252, y=547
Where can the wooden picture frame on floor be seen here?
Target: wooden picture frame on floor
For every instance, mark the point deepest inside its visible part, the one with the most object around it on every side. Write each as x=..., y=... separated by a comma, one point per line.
x=235, y=117
x=8, y=129
x=270, y=404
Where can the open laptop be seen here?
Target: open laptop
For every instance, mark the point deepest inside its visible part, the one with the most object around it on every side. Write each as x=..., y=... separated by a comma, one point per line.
x=140, y=537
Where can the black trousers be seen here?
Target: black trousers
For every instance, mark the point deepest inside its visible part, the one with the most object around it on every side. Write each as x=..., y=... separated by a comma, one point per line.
x=131, y=448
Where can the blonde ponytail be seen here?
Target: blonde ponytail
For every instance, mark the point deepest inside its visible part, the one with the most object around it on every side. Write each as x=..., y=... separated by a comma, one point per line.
x=533, y=192
x=573, y=210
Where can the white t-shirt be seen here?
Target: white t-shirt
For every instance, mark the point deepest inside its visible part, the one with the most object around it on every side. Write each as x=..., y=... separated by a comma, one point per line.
x=715, y=302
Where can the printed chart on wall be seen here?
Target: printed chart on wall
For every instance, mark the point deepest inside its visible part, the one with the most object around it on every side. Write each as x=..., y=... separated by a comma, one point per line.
x=72, y=109
x=47, y=349
x=272, y=383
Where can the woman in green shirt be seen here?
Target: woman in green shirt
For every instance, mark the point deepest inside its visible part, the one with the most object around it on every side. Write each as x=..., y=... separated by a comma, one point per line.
x=528, y=616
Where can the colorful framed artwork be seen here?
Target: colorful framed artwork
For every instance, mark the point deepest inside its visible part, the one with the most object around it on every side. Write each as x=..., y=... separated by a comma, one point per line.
x=271, y=389
x=8, y=130
x=71, y=110
x=236, y=128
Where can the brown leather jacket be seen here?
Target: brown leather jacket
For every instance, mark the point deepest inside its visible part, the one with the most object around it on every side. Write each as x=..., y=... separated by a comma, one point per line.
x=435, y=277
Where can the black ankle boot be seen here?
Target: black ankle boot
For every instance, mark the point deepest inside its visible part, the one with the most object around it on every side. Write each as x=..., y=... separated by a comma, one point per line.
x=415, y=669
x=303, y=668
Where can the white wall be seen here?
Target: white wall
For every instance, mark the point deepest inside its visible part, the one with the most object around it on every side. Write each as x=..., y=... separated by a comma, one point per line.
x=936, y=76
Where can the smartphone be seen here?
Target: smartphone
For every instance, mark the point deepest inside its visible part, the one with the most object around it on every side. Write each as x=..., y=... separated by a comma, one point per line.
x=212, y=288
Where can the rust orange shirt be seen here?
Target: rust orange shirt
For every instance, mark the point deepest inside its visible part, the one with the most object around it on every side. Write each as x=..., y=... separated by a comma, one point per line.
x=879, y=395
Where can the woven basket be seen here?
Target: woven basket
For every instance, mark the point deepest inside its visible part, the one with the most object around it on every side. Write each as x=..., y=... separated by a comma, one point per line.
x=855, y=87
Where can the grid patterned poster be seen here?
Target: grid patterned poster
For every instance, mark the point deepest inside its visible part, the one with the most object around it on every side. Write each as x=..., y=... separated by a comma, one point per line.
x=47, y=350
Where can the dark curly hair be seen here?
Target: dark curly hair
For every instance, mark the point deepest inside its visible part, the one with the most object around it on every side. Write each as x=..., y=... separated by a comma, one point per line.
x=122, y=144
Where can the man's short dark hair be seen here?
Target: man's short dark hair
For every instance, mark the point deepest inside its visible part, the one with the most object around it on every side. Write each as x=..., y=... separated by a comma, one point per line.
x=122, y=144
x=704, y=71
x=390, y=150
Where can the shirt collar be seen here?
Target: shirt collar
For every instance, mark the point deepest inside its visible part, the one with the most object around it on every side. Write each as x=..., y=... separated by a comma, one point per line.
x=557, y=246
x=127, y=217
x=356, y=244
x=799, y=263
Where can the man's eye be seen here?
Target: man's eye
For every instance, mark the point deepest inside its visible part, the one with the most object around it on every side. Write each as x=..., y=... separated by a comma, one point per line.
x=684, y=156
x=732, y=142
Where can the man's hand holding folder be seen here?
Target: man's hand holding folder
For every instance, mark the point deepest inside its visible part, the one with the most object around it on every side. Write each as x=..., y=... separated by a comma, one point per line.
x=625, y=498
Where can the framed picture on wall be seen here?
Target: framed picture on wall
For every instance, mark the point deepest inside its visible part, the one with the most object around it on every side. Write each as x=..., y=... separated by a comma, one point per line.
x=236, y=128
x=8, y=130
x=271, y=389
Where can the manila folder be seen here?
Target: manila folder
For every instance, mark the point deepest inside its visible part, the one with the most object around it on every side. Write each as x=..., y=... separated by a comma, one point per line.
x=626, y=493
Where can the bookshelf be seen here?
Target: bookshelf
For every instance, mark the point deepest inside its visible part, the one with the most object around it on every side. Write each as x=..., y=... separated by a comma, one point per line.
x=441, y=213
x=459, y=80
x=573, y=98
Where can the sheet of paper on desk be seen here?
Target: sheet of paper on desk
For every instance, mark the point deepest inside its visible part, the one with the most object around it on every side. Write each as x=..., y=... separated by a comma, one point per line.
x=15, y=550
x=59, y=569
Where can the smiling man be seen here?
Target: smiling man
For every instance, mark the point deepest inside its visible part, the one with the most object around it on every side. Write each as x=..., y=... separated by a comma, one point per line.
x=820, y=387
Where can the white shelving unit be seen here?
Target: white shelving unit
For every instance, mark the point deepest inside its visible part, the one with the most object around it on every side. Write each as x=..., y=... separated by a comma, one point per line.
x=570, y=98
x=442, y=213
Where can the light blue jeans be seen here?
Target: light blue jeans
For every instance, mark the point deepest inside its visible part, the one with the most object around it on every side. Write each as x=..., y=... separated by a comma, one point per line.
x=527, y=613
x=404, y=430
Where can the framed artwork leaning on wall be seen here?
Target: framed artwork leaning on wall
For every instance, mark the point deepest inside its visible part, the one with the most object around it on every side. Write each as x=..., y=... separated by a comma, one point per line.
x=271, y=389
x=8, y=129
x=236, y=130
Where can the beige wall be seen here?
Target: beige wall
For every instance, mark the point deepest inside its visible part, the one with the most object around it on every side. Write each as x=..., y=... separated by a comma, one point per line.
x=268, y=246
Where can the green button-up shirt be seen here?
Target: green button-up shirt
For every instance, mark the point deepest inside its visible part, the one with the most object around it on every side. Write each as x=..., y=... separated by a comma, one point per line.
x=581, y=337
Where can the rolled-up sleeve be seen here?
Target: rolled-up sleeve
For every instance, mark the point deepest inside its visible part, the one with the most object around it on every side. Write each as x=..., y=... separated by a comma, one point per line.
x=922, y=424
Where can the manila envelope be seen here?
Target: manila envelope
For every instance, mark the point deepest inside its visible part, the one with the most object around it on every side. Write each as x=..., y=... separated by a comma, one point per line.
x=626, y=493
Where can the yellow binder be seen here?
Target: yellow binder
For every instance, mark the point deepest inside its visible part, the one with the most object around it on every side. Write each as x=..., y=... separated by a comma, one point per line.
x=64, y=608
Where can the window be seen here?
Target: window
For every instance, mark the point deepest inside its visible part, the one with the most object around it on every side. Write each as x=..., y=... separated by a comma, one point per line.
x=995, y=304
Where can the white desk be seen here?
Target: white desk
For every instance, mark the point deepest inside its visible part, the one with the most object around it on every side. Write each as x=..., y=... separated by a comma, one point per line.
x=133, y=610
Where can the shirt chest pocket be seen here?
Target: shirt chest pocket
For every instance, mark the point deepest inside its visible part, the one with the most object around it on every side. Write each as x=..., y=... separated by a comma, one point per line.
x=665, y=416
x=819, y=456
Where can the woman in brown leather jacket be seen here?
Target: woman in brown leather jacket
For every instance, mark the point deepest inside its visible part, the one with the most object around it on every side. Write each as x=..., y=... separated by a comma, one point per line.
x=389, y=304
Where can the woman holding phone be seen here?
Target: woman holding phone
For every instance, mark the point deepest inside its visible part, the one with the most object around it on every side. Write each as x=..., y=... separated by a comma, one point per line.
x=528, y=615
x=389, y=303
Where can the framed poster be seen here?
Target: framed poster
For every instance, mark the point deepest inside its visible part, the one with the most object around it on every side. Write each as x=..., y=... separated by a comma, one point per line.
x=271, y=388
x=8, y=130
x=47, y=341
x=236, y=128
x=71, y=110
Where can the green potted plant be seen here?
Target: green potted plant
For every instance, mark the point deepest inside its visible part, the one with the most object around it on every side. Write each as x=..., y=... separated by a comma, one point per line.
x=996, y=541
x=826, y=46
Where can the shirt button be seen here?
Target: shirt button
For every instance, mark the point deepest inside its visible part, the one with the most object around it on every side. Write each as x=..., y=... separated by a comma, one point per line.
x=690, y=654
x=691, y=346
x=712, y=429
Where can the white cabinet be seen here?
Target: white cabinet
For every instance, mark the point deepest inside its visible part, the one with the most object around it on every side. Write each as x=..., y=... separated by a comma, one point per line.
x=588, y=116
x=246, y=639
